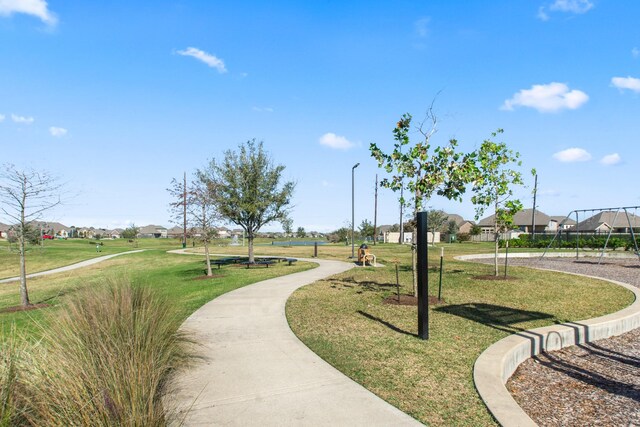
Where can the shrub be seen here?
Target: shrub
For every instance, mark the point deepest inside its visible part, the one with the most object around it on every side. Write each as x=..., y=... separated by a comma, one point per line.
x=104, y=360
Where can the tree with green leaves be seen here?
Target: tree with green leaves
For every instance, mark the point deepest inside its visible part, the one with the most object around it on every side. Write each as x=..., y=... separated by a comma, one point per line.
x=287, y=226
x=436, y=219
x=247, y=189
x=365, y=229
x=422, y=169
x=301, y=233
x=493, y=186
x=24, y=196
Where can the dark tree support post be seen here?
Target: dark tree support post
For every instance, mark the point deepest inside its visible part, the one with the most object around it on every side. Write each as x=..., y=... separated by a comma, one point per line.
x=423, y=276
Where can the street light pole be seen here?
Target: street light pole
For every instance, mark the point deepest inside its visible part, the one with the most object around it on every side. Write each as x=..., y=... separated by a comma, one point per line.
x=353, y=192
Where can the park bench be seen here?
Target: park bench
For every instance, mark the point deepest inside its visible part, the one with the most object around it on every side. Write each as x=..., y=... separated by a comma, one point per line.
x=291, y=261
x=265, y=262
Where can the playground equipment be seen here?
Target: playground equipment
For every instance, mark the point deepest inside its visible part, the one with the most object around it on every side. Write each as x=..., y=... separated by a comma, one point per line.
x=599, y=220
x=364, y=256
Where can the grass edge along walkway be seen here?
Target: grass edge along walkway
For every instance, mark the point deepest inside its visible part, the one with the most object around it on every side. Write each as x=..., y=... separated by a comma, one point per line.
x=255, y=368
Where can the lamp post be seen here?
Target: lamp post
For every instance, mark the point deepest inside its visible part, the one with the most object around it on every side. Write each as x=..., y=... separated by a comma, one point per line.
x=353, y=192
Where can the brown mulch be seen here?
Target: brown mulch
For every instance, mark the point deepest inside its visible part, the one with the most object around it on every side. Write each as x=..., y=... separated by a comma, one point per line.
x=22, y=308
x=410, y=300
x=591, y=384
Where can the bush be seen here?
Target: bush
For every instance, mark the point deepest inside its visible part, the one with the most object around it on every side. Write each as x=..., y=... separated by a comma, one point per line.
x=104, y=360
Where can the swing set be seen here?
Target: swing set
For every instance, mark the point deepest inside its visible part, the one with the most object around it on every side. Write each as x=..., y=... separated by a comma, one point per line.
x=599, y=217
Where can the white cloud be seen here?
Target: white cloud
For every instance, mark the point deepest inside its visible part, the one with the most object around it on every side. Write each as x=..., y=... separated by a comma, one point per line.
x=57, y=132
x=571, y=155
x=635, y=52
x=263, y=109
x=332, y=140
x=2, y=117
x=37, y=8
x=571, y=6
x=630, y=83
x=22, y=119
x=211, y=60
x=611, y=159
x=422, y=27
x=567, y=6
x=547, y=98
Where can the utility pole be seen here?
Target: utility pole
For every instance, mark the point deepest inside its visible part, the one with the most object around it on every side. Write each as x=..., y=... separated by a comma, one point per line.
x=533, y=216
x=184, y=212
x=375, y=214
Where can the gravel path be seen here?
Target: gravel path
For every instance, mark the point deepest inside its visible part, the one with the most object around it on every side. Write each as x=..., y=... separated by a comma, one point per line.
x=592, y=384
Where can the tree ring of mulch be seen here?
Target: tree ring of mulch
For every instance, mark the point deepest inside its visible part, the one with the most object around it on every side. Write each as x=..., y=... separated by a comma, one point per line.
x=208, y=277
x=23, y=308
x=410, y=300
x=492, y=277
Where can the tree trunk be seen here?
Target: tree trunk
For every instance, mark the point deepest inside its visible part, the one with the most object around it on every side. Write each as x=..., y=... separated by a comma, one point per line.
x=207, y=257
x=495, y=258
x=24, y=294
x=250, y=239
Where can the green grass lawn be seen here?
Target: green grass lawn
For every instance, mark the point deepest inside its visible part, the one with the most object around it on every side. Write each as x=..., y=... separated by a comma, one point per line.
x=344, y=320
x=179, y=277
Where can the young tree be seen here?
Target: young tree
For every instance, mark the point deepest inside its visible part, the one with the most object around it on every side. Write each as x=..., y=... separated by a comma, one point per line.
x=301, y=233
x=130, y=232
x=246, y=189
x=202, y=212
x=179, y=206
x=422, y=169
x=452, y=228
x=436, y=219
x=287, y=226
x=493, y=186
x=24, y=196
x=366, y=229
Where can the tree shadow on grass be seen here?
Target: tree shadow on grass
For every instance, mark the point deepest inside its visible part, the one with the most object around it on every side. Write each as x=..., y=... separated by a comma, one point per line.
x=364, y=285
x=387, y=324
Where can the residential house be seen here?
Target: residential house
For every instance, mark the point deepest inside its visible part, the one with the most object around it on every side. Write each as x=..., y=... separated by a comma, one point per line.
x=522, y=221
x=224, y=233
x=603, y=222
x=394, y=237
x=464, y=225
x=561, y=222
x=175, y=232
x=116, y=233
x=54, y=228
x=155, y=231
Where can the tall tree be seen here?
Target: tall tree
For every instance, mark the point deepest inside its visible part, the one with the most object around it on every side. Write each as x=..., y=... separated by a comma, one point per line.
x=287, y=226
x=246, y=188
x=24, y=196
x=301, y=233
x=423, y=169
x=436, y=219
x=493, y=186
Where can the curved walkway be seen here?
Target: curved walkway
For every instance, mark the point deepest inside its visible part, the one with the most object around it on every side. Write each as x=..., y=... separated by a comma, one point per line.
x=70, y=267
x=256, y=372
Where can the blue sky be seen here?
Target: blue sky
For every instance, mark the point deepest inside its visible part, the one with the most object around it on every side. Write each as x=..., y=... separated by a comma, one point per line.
x=119, y=97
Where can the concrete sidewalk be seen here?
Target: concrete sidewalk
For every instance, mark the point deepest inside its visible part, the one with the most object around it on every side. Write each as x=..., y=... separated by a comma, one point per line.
x=71, y=267
x=256, y=372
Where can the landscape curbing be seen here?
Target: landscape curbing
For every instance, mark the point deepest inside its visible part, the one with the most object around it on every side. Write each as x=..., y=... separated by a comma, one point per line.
x=497, y=363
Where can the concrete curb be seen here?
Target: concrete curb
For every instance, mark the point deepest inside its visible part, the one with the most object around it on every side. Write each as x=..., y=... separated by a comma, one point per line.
x=498, y=362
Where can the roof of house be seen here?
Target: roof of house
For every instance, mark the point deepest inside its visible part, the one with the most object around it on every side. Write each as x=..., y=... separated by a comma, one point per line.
x=4, y=227
x=151, y=229
x=610, y=218
x=562, y=220
x=522, y=218
x=55, y=226
x=458, y=219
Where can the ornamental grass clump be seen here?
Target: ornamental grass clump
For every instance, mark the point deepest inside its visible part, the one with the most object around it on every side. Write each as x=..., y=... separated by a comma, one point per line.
x=104, y=359
x=10, y=402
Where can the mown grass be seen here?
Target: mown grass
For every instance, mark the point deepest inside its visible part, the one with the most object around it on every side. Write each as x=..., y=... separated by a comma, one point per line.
x=345, y=321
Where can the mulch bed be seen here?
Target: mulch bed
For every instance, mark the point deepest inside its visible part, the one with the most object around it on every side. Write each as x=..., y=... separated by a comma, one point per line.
x=410, y=300
x=592, y=384
x=21, y=308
